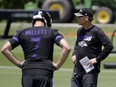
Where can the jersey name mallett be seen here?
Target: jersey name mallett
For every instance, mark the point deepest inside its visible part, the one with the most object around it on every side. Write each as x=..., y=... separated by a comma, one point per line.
x=35, y=32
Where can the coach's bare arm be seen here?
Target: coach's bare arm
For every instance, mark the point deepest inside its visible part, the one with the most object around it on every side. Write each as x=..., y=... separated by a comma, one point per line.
x=6, y=50
x=64, y=54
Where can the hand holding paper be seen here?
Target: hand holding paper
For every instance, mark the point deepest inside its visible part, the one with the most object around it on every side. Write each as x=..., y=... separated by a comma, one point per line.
x=85, y=63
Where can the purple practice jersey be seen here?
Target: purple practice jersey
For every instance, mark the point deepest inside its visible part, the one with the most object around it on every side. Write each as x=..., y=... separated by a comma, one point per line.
x=38, y=45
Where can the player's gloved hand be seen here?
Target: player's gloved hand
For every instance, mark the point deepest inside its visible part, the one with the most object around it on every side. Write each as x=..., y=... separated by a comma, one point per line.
x=21, y=64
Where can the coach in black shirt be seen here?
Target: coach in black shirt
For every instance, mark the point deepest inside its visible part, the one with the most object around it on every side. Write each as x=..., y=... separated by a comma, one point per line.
x=88, y=52
x=37, y=43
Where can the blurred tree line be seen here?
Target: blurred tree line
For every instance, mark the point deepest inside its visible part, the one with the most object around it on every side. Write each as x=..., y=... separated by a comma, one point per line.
x=13, y=4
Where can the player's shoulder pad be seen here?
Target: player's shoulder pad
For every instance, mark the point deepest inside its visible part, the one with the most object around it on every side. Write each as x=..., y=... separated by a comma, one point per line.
x=57, y=30
x=19, y=31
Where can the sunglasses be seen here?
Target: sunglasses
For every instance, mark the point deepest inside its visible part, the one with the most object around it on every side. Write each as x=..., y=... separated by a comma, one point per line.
x=78, y=17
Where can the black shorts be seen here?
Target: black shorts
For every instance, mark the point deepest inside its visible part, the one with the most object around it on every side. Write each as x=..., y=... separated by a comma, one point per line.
x=84, y=80
x=36, y=81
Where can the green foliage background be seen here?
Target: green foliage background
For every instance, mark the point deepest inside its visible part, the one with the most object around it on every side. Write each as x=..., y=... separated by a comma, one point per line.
x=13, y=4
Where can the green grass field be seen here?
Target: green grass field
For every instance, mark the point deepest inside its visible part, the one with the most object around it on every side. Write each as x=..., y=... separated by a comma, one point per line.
x=10, y=76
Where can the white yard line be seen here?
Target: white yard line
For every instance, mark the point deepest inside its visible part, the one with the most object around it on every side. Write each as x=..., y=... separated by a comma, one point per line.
x=23, y=25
